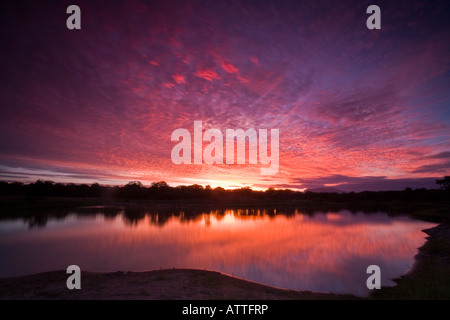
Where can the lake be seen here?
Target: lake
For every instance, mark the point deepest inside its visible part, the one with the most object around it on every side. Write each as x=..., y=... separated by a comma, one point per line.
x=286, y=248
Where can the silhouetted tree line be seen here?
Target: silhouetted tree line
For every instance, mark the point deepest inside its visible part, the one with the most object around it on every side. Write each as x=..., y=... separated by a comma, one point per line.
x=162, y=191
x=133, y=215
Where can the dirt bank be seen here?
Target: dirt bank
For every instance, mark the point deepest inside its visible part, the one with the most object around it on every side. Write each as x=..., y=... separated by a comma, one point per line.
x=182, y=284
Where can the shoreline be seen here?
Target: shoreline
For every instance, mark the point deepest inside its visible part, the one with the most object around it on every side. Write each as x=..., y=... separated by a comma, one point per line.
x=165, y=284
x=429, y=278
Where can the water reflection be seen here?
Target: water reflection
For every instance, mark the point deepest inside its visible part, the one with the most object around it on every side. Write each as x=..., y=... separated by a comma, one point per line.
x=285, y=247
x=159, y=215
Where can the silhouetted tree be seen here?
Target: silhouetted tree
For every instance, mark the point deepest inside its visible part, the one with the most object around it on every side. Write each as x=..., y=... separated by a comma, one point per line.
x=96, y=190
x=160, y=190
x=444, y=183
x=132, y=190
x=159, y=185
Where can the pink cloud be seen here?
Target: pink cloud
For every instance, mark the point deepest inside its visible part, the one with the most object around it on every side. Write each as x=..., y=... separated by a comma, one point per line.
x=228, y=67
x=254, y=60
x=243, y=80
x=179, y=78
x=207, y=74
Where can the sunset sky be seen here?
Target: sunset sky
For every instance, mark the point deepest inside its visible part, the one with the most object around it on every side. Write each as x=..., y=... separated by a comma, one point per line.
x=357, y=109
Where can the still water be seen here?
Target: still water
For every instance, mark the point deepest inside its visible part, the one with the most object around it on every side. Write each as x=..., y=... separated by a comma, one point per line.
x=326, y=252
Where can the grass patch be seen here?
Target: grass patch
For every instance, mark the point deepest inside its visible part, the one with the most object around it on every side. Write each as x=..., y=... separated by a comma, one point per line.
x=160, y=278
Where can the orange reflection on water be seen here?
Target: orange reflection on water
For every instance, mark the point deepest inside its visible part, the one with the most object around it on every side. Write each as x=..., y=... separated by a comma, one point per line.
x=323, y=252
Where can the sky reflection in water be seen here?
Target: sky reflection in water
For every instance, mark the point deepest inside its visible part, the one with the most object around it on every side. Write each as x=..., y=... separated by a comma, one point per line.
x=321, y=252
